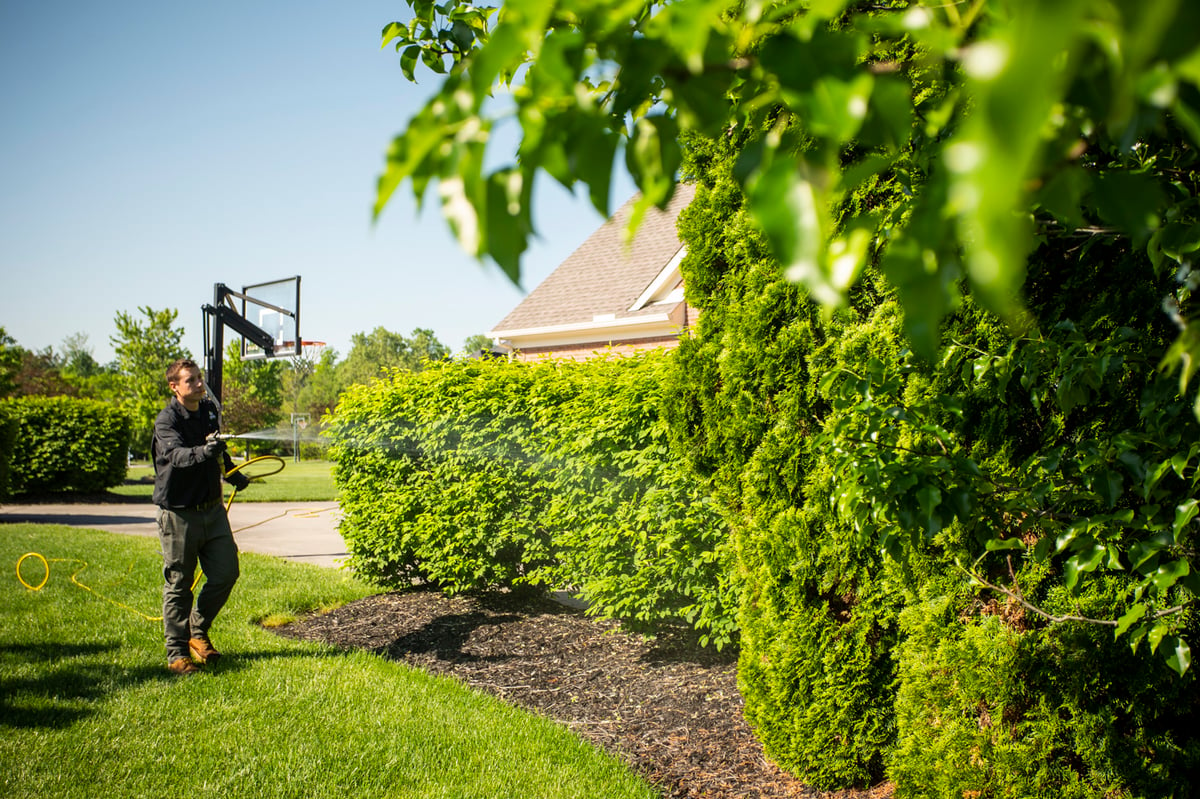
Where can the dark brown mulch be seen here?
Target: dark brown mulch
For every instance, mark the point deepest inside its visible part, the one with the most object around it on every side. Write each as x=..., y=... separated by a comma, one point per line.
x=668, y=708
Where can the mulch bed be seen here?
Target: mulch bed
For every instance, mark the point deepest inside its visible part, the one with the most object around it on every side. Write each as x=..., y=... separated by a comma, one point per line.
x=667, y=707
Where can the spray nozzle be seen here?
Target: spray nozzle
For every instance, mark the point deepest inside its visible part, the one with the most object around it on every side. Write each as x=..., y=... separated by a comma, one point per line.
x=221, y=436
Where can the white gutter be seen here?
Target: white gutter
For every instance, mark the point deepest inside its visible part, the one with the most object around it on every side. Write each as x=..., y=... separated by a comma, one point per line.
x=587, y=332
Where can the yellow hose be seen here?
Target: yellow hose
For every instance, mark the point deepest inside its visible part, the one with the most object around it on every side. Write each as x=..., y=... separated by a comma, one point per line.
x=244, y=464
x=83, y=564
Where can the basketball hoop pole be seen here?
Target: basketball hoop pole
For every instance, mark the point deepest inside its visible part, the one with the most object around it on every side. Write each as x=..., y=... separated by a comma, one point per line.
x=221, y=313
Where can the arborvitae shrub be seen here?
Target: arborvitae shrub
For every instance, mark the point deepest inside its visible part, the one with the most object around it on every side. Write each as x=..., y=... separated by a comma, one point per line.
x=862, y=484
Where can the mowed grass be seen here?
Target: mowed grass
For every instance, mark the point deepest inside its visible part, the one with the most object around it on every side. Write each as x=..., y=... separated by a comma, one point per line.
x=88, y=709
x=306, y=481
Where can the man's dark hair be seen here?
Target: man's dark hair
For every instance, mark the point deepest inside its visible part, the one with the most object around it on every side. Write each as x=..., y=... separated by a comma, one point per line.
x=178, y=366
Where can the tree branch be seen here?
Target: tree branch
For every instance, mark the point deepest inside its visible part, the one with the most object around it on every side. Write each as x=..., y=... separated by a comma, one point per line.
x=1016, y=595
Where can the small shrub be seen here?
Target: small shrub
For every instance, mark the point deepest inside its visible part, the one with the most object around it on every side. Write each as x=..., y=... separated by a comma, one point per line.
x=67, y=444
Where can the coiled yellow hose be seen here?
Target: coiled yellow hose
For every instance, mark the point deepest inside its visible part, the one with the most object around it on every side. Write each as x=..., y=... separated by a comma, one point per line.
x=83, y=564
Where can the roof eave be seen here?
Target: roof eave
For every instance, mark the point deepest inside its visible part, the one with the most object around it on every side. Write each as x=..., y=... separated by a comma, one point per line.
x=634, y=327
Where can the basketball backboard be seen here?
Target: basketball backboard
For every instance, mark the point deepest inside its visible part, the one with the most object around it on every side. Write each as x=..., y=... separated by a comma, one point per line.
x=275, y=308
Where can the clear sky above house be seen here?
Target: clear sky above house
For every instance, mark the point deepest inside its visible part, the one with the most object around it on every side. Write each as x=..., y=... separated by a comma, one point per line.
x=149, y=150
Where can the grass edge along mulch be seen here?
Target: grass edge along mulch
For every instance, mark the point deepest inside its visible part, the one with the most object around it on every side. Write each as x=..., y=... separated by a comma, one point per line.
x=83, y=684
x=667, y=707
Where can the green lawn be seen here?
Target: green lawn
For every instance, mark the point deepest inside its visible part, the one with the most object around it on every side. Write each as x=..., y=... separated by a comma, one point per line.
x=88, y=709
x=307, y=481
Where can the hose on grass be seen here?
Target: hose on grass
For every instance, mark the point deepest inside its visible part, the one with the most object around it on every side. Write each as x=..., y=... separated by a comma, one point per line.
x=84, y=564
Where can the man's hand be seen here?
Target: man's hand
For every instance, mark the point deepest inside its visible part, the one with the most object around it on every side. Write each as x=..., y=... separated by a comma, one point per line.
x=237, y=480
x=213, y=447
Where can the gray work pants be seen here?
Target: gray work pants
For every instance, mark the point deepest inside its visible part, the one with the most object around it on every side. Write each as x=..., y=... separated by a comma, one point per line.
x=189, y=537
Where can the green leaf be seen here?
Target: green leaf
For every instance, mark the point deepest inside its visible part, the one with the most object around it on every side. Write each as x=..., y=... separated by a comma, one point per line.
x=1087, y=559
x=1157, y=633
x=408, y=61
x=686, y=26
x=924, y=276
x=1000, y=544
x=889, y=120
x=1184, y=514
x=929, y=497
x=653, y=156
x=1135, y=638
x=508, y=222
x=1143, y=554
x=1062, y=197
x=791, y=212
x=1179, y=654
x=391, y=31
x=1168, y=574
x=1125, y=622
x=1108, y=484
x=1129, y=200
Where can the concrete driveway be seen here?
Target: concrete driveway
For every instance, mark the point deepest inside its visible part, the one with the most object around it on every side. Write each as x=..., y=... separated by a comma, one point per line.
x=305, y=532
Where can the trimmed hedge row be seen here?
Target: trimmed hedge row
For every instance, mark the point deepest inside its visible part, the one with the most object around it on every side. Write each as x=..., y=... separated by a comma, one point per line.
x=489, y=474
x=65, y=444
x=8, y=442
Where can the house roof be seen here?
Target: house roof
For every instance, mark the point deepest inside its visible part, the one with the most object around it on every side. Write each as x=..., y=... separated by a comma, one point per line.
x=600, y=283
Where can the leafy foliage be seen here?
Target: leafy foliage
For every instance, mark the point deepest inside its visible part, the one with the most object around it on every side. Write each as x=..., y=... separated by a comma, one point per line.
x=8, y=445
x=372, y=354
x=62, y=443
x=485, y=474
x=252, y=391
x=10, y=361
x=995, y=121
x=144, y=348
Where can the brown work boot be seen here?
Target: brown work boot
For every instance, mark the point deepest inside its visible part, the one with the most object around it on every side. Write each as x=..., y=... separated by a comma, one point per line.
x=182, y=666
x=202, y=650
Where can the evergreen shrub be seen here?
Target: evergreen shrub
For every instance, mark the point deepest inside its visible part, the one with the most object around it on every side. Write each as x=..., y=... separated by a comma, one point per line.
x=66, y=444
x=478, y=475
x=873, y=497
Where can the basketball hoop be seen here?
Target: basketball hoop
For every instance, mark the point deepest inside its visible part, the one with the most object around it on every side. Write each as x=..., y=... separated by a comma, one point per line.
x=311, y=350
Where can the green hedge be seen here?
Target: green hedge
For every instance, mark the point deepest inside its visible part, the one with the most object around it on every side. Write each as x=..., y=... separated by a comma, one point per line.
x=8, y=443
x=863, y=486
x=66, y=444
x=489, y=474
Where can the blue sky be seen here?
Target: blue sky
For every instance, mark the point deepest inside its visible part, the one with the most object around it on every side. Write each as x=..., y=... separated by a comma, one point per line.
x=150, y=150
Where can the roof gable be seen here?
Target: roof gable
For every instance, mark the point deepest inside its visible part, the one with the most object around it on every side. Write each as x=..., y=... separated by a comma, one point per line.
x=604, y=279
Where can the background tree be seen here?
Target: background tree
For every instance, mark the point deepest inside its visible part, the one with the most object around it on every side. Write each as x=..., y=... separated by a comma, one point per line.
x=144, y=347
x=477, y=343
x=80, y=368
x=382, y=349
x=10, y=363
x=41, y=376
x=76, y=358
x=253, y=392
x=312, y=385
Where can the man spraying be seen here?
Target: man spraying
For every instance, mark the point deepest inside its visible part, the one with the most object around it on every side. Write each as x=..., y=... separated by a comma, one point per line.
x=189, y=464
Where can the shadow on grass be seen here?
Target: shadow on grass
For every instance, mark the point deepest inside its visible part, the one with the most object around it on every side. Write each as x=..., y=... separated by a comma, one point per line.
x=73, y=679
x=80, y=498
x=68, y=680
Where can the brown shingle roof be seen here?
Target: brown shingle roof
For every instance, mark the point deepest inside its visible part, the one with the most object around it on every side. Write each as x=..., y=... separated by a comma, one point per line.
x=604, y=276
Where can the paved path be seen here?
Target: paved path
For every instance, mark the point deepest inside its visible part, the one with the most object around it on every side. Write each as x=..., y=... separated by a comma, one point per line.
x=301, y=531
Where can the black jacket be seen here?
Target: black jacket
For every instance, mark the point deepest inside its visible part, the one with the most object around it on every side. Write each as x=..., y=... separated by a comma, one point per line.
x=184, y=477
